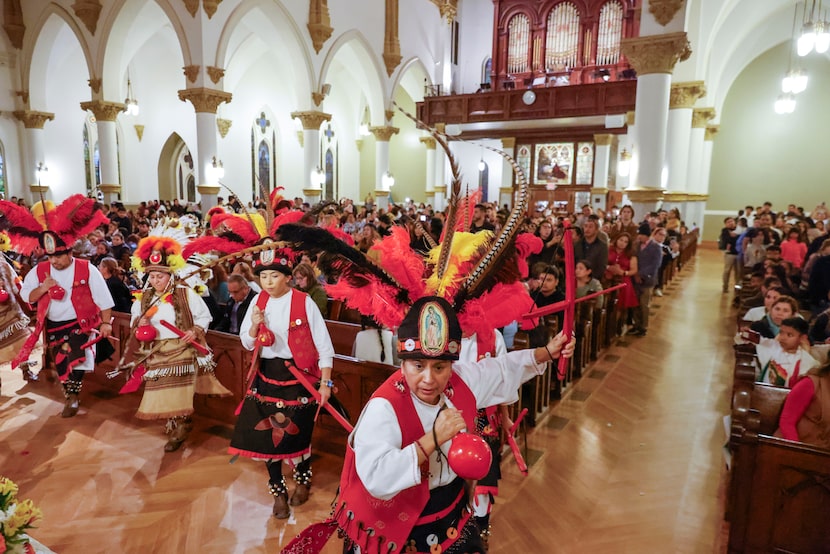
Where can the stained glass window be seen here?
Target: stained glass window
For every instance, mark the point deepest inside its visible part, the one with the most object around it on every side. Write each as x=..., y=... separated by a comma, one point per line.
x=264, y=167
x=263, y=156
x=523, y=159
x=585, y=163
x=484, y=181
x=554, y=163
x=328, y=192
x=87, y=161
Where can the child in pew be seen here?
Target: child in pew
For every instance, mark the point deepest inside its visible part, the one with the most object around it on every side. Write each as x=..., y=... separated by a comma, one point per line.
x=783, y=359
x=801, y=418
x=781, y=309
x=773, y=293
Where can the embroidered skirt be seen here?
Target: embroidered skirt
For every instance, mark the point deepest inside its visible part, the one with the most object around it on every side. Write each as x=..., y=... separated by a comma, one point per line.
x=277, y=416
x=14, y=330
x=170, y=381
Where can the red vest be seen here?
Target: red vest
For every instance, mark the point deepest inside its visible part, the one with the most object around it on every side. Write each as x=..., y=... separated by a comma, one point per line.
x=88, y=314
x=300, y=339
x=372, y=523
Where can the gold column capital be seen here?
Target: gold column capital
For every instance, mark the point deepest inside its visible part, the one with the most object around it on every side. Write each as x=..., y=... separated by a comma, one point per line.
x=319, y=23
x=505, y=190
x=204, y=100
x=711, y=131
x=311, y=119
x=208, y=189
x=604, y=139
x=103, y=110
x=391, y=42
x=384, y=133
x=113, y=189
x=429, y=142
x=508, y=143
x=675, y=196
x=630, y=118
x=33, y=119
x=440, y=188
x=656, y=53
x=684, y=95
x=644, y=195
x=312, y=193
x=701, y=116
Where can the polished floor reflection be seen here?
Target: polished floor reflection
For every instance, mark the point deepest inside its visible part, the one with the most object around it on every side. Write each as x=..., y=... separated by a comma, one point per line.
x=629, y=461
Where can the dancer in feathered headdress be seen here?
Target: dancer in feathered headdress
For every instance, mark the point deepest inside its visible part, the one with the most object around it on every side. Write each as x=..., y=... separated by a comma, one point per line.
x=14, y=323
x=170, y=320
x=73, y=301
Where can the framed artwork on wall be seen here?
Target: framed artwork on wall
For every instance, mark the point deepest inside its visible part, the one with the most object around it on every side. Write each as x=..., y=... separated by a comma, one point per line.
x=553, y=163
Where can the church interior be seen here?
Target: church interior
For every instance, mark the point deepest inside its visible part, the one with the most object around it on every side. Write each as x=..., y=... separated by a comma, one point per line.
x=652, y=103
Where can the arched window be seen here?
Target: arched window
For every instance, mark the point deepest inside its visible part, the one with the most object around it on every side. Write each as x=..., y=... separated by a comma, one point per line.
x=518, y=42
x=562, y=42
x=92, y=159
x=185, y=179
x=609, y=33
x=486, y=69
x=328, y=144
x=484, y=180
x=263, y=157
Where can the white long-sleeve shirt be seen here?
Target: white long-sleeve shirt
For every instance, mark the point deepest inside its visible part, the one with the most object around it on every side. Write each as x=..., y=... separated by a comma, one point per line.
x=277, y=314
x=166, y=312
x=62, y=310
x=387, y=469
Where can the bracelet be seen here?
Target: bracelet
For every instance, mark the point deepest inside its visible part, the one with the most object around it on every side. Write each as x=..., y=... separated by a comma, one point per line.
x=422, y=449
x=328, y=382
x=549, y=354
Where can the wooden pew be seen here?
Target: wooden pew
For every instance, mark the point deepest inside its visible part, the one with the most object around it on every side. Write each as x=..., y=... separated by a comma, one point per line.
x=779, y=492
x=343, y=335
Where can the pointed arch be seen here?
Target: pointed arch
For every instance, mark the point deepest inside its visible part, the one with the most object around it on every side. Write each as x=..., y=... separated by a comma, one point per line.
x=285, y=34
x=174, y=183
x=412, y=76
x=365, y=67
x=37, y=47
x=116, y=32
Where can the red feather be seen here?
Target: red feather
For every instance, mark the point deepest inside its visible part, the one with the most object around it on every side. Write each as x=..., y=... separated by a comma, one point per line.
x=371, y=298
x=401, y=262
x=240, y=225
x=340, y=234
x=526, y=244
x=24, y=230
x=500, y=306
x=288, y=217
x=205, y=244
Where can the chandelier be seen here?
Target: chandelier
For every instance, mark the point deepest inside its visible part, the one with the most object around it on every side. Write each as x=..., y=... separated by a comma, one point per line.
x=815, y=30
x=130, y=101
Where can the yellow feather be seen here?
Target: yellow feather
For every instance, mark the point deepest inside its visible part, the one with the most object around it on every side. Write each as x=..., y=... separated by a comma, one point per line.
x=465, y=247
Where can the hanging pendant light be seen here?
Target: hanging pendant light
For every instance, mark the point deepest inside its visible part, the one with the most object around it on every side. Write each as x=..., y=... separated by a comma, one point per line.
x=130, y=101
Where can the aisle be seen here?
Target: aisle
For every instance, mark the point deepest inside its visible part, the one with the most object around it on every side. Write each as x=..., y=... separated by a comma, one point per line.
x=631, y=461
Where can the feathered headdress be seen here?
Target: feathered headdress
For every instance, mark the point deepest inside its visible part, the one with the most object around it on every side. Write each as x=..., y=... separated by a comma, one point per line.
x=53, y=228
x=478, y=273
x=231, y=232
x=162, y=249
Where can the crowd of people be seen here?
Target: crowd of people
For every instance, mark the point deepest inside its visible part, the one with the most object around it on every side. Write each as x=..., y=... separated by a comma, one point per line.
x=276, y=302
x=781, y=264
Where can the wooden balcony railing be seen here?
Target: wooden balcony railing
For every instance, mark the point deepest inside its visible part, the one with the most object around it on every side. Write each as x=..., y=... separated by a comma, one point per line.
x=614, y=97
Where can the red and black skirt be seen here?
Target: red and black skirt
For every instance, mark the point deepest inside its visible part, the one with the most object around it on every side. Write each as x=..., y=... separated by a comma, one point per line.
x=277, y=416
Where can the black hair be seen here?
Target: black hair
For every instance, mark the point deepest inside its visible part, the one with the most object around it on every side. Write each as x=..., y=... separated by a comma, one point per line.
x=798, y=323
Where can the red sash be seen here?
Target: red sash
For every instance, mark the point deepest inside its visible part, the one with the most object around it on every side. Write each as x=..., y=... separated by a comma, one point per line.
x=87, y=313
x=300, y=339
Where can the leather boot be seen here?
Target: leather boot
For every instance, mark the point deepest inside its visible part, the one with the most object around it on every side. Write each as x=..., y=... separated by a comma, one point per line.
x=70, y=407
x=300, y=495
x=178, y=435
x=281, y=509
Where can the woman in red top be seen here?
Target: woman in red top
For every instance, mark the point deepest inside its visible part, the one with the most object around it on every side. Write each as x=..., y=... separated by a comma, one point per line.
x=806, y=413
x=621, y=267
x=793, y=249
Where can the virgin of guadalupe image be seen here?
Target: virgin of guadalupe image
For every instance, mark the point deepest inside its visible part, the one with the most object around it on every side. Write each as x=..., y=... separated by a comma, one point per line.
x=432, y=330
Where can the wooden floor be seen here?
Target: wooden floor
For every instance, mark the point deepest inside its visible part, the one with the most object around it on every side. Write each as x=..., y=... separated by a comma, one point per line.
x=630, y=461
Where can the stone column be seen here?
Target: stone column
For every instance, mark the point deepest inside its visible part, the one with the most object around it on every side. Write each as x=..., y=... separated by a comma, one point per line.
x=205, y=102
x=625, y=143
x=105, y=115
x=683, y=98
x=700, y=118
x=429, y=185
x=654, y=58
x=311, y=121
x=602, y=164
x=699, y=197
x=382, y=136
x=507, y=178
x=440, y=198
x=33, y=122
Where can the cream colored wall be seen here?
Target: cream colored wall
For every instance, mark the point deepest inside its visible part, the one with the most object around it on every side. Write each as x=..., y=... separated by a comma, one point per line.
x=407, y=156
x=759, y=155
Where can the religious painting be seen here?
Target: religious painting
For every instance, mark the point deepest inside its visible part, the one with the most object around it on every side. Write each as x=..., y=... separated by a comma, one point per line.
x=585, y=163
x=433, y=329
x=554, y=163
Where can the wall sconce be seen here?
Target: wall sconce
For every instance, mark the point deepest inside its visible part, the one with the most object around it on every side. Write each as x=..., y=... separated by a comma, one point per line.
x=326, y=90
x=317, y=178
x=42, y=173
x=624, y=165
x=215, y=171
x=388, y=180
x=130, y=101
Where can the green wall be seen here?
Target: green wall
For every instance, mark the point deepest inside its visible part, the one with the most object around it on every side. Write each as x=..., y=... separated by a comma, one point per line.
x=759, y=155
